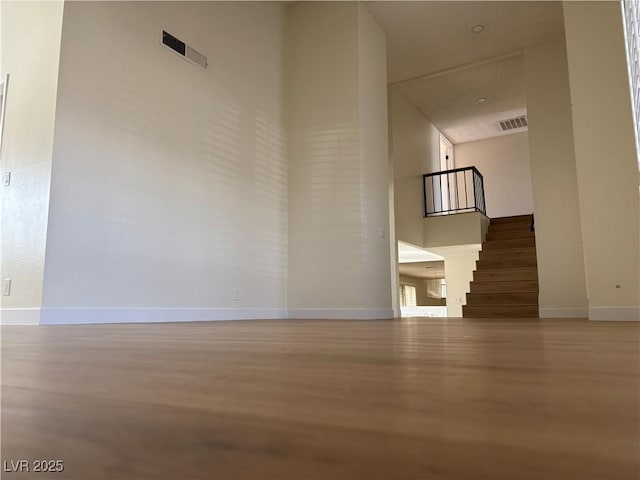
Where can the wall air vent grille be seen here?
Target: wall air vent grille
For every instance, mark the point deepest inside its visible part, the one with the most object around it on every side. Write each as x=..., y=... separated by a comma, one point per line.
x=184, y=50
x=513, y=123
x=196, y=57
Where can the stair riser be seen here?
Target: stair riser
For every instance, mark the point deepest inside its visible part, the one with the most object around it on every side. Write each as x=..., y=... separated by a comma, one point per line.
x=509, y=244
x=509, y=235
x=517, y=219
x=529, y=298
x=506, y=263
x=498, y=287
x=503, y=275
x=503, y=254
x=508, y=227
x=500, y=311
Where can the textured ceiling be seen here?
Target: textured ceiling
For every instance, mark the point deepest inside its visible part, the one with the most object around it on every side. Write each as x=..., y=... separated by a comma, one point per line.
x=443, y=67
x=422, y=269
x=410, y=253
x=450, y=101
x=428, y=37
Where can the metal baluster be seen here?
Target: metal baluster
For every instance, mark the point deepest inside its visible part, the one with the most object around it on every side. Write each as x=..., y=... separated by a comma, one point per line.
x=433, y=194
x=457, y=196
x=466, y=200
x=475, y=194
x=424, y=195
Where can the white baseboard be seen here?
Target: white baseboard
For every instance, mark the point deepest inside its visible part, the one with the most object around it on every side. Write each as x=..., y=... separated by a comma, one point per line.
x=563, y=312
x=79, y=316
x=59, y=316
x=19, y=316
x=342, y=313
x=52, y=316
x=614, y=313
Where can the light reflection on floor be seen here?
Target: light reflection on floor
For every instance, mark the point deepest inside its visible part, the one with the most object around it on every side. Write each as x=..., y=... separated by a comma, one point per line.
x=431, y=311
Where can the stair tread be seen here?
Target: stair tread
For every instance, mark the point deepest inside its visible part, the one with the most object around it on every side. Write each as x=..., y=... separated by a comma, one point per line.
x=506, y=268
x=505, y=262
x=508, y=235
x=502, y=298
x=494, y=255
x=489, y=286
x=507, y=240
x=504, y=292
x=505, y=274
x=501, y=305
x=514, y=250
x=508, y=226
x=495, y=282
x=513, y=219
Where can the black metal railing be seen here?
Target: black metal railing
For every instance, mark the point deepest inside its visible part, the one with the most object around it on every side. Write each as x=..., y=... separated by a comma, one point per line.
x=453, y=191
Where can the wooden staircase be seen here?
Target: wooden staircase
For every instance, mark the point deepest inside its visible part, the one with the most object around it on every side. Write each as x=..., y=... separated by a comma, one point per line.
x=505, y=282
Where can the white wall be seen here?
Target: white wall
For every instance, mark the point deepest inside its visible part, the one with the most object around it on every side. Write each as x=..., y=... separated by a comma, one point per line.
x=415, y=150
x=458, y=272
x=338, y=167
x=504, y=164
x=454, y=230
x=606, y=158
x=374, y=159
x=169, y=186
x=554, y=185
x=30, y=54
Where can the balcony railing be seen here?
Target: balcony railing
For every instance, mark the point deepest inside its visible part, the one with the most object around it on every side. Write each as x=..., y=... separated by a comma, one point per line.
x=453, y=191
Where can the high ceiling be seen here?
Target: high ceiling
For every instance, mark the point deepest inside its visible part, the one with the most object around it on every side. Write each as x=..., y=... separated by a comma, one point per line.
x=451, y=101
x=444, y=67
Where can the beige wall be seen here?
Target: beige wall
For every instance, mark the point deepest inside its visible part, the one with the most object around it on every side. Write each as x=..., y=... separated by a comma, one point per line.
x=30, y=54
x=606, y=158
x=504, y=164
x=415, y=150
x=338, y=165
x=374, y=158
x=171, y=184
x=554, y=184
x=458, y=270
x=460, y=229
x=169, y=191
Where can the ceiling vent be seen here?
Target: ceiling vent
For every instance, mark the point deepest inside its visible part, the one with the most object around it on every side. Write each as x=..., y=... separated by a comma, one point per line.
x=185, y=51
x=512, y=123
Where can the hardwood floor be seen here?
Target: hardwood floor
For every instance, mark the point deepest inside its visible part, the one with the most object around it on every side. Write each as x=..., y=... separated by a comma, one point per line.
x=297, y=399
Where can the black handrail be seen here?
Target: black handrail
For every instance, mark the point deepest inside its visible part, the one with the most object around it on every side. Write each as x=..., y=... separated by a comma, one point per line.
x=441, y=199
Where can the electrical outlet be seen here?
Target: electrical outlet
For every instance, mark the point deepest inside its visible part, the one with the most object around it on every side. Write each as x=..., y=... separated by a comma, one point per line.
x=7, y=179
x=381, y=232
x=236, y=294
x=6, y=287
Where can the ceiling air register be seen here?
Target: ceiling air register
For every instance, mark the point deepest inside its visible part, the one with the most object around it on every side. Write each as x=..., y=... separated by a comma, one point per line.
x=512, y=123
x=185, y=51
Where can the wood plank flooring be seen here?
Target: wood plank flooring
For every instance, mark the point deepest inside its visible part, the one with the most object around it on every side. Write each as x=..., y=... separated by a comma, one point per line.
x=298, y=399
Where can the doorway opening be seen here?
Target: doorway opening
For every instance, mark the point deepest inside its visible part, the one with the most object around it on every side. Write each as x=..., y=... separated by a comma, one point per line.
x=422, y=282
x=446, y=163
